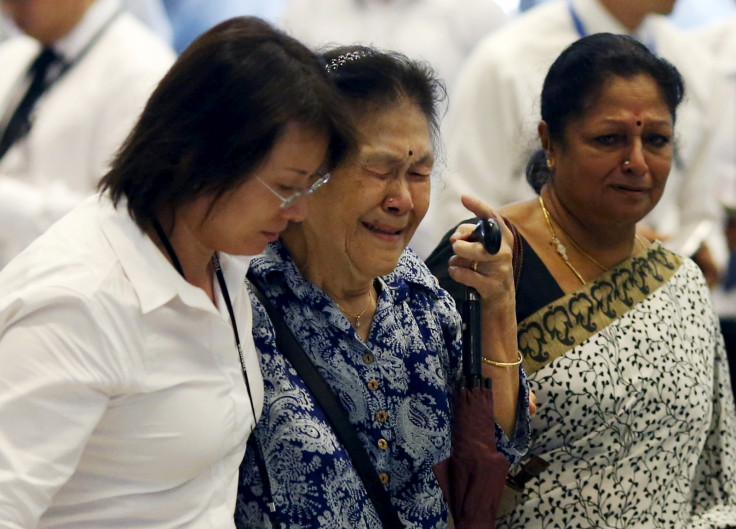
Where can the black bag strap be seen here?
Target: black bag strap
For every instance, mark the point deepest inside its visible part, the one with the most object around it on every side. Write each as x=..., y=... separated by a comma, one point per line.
x=293, y=351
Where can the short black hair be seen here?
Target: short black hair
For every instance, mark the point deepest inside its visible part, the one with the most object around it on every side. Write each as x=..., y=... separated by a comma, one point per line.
x=217, y=113
x=578, y=75
x=370, y=79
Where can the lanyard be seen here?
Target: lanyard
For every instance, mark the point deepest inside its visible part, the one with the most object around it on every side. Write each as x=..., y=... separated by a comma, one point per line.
x=223, y=288
x=582, y=32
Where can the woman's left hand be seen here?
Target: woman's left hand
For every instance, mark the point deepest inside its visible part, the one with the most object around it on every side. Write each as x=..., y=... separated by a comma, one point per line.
x=490, y=274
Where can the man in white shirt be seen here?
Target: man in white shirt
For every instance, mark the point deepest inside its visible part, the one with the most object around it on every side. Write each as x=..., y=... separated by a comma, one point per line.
x=107, y=65
x=492, y=123
x=720, y=39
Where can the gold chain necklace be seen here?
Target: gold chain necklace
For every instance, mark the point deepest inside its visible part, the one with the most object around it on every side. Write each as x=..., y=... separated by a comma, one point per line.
x=561, y=250
x=357, y=317
x=637, y=238
x=556, y=243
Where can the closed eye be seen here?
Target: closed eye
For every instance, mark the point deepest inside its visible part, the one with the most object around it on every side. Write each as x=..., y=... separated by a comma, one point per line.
x=286, y=189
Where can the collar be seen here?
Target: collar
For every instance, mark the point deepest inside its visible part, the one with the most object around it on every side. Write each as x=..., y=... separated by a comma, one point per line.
x=93, y=21
x=153, y=278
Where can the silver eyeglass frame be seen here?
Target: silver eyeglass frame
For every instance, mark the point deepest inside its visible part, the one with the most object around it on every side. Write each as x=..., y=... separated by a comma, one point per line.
x=290, y=200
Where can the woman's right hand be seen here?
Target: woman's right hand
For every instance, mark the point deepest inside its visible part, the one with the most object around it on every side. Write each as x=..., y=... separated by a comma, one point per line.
x=490, y=274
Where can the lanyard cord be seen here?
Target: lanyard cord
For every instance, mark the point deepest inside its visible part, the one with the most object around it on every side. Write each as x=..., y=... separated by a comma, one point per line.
x=225, y=294
x=87, y=47
x=579, y=27
x=582, y=32
x=260, y=460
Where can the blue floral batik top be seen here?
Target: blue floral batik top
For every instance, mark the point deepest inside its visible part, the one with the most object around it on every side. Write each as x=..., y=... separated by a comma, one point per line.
x=396, y=389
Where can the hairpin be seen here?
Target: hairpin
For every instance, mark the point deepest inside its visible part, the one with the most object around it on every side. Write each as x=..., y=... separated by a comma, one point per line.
x=345, y=57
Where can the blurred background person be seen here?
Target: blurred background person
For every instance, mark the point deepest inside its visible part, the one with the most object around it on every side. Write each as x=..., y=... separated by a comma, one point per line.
x=3, y=28
x=129, y=379
x=190, y=18
x=154, y=15
x=720, y=38
x=621, y=343
x=441, y=32
x=492, y=118
x=73, y=83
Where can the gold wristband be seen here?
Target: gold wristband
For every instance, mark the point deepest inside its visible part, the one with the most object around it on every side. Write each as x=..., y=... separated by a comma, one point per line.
x=504, y=364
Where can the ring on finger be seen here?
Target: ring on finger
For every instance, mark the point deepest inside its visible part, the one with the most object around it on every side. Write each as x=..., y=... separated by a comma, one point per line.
x=475, y=266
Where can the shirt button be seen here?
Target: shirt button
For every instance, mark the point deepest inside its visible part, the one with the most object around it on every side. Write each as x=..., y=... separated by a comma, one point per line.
x=373, y=384
x=382, y=444
x=383, y=477
x=381, y=416
x=368, y=358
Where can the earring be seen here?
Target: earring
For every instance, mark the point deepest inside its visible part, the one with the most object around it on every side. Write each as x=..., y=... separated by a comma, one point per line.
x=549, y=163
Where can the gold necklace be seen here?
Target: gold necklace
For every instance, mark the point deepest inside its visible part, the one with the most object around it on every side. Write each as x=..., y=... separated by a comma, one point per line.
x=357, y=317
x=583, y=252
x=556, y=243
x=637, y=238
x=641, y=241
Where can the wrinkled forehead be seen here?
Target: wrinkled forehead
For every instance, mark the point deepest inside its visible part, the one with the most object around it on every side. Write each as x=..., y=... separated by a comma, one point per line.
x=394, y=131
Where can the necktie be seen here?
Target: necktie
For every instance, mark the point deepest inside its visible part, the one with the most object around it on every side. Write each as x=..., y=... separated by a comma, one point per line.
x=19, y=123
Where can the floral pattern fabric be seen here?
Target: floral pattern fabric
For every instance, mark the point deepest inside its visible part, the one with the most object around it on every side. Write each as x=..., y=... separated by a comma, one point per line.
x=637, y=419
x=396, y=389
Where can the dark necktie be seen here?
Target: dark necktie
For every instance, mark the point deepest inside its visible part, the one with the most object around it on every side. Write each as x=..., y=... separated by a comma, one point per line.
x=19, y=123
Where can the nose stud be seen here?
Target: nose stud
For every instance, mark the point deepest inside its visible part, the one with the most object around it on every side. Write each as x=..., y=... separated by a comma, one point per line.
x=626, y=163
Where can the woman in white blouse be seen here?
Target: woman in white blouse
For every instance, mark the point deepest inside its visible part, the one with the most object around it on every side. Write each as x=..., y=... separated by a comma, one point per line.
x=128, y=377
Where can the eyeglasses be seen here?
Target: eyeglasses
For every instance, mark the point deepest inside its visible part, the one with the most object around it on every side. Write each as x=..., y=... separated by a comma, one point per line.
x=290, y=200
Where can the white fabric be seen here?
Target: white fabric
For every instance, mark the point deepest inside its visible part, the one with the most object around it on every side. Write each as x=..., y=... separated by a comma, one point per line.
x=494, y=113
x=79, y=122
x=122, y=402
x=721, y=41
x=637, y=421
x=153, y=13
x=442, y=32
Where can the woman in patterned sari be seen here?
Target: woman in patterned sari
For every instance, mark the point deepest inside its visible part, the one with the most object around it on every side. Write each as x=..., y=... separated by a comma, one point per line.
x=621, y=344
x=374, y=322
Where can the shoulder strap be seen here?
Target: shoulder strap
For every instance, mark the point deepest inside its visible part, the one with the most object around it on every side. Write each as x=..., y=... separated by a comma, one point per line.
x=517, y=252
x=335, y=413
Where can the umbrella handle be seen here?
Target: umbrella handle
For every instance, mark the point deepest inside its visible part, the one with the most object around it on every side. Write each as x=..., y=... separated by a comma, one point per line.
x=488, y=232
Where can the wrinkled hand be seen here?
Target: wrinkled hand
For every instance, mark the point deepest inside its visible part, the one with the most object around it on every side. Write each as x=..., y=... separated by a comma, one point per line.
x=490, y=275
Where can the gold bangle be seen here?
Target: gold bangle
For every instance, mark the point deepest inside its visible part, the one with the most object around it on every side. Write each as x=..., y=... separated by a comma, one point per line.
x=504, y=364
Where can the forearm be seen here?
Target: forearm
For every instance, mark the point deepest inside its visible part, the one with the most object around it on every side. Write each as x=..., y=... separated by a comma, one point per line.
x=499, y=345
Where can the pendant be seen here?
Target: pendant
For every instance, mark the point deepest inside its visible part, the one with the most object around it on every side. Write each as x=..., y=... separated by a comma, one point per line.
x=357, y=323
x=561, y=249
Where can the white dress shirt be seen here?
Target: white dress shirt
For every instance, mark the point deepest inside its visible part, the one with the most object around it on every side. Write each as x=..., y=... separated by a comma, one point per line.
x=122, y=400
x=78, y=123
x=720, y=39
x=494, y=113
